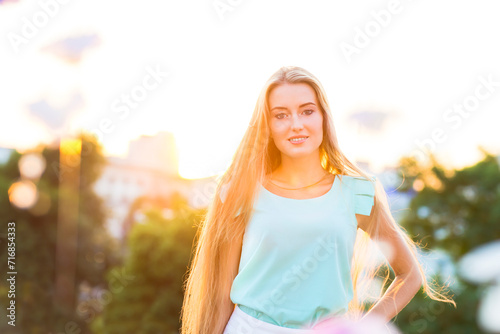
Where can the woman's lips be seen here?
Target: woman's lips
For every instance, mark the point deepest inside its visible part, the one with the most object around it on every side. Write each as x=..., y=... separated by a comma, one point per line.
x=298, y=141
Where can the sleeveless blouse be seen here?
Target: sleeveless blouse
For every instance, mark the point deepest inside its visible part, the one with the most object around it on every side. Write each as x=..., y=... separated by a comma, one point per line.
x=295, y=265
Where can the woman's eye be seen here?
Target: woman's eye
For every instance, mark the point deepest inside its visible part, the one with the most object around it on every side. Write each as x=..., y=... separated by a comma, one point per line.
x=282, y=115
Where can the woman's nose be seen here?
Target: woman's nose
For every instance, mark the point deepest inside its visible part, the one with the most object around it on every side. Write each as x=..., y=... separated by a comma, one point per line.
x=296, y=122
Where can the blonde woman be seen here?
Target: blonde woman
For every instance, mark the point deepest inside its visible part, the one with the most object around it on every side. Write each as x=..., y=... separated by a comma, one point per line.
x=279, y=250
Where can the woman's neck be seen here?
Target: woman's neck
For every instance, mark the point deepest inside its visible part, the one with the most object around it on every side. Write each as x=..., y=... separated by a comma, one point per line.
x=298, y=172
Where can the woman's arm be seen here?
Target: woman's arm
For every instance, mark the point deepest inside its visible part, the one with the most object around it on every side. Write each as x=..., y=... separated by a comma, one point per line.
x=407, y=280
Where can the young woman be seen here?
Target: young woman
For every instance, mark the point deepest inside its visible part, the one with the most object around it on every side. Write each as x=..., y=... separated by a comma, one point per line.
x=279, y=250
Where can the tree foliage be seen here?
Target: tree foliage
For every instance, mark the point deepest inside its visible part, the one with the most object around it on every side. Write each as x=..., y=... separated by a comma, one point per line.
x=454, y=211
x=36, y=242
x=150, y=297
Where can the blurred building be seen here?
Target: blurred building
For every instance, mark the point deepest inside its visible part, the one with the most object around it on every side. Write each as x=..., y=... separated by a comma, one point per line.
x=149, y=170
x=158, y=153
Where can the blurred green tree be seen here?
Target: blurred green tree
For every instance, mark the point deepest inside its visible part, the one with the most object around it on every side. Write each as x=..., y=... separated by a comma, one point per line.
x=150, y=297
x=36, y=242
x=454, y=211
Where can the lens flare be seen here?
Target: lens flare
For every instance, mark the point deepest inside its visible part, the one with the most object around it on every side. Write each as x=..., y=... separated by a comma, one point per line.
x=488, y=317
x=481, y=265
x=23, y=194
x=69, y=146
x=369, y=324
x=385, y=249
x=418, y=185
x=31, y=165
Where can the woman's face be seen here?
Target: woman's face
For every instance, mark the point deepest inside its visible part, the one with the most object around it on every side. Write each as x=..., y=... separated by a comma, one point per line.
x=295, y=112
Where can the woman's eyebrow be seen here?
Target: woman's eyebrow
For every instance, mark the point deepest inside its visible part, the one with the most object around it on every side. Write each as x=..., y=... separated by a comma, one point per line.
x=302, y=105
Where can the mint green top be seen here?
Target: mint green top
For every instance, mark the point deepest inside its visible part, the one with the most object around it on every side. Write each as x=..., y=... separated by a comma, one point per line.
x=296, y=256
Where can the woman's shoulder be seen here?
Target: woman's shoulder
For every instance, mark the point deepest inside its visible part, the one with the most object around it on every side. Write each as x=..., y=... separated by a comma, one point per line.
x=363, y=190
x=357, y=177
x=352, y=175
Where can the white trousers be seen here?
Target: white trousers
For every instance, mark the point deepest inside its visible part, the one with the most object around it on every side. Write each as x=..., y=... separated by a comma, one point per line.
x=242, y=323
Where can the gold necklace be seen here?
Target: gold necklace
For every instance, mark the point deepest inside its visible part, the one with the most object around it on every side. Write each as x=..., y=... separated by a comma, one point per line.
x=300, y=187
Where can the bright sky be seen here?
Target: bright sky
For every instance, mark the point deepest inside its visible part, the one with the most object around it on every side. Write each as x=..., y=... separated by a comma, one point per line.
x=425, y=58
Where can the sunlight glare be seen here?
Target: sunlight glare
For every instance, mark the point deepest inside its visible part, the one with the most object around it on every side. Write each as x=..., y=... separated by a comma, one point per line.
x=23, y=194
x=32, y=165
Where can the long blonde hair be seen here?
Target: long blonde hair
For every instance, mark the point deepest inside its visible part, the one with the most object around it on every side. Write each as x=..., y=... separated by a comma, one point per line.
x=207, y=306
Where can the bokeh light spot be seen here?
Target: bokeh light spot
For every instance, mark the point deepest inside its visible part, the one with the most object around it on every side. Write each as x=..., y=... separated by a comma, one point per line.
x=481, y=265
x=488, y=310
x=418, y=185
x=32, y=165
x=23, y=194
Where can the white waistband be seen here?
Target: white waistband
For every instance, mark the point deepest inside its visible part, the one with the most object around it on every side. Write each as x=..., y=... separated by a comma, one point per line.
x=242, y=323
